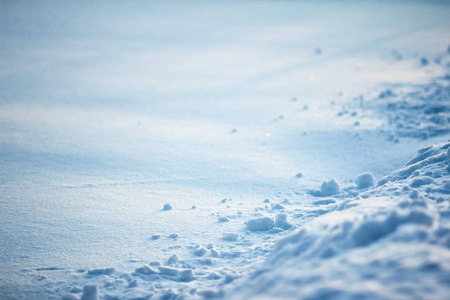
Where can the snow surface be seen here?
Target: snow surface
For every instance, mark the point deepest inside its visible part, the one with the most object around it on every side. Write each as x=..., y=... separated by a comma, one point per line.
x=203, y=149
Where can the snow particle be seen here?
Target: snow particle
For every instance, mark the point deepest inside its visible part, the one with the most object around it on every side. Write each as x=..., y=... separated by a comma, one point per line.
x=260, y=224
x=167, y=206
x=364, y=181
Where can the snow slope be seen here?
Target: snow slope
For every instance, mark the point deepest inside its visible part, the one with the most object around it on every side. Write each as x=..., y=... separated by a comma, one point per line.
x=251, y=119
x=389, y=242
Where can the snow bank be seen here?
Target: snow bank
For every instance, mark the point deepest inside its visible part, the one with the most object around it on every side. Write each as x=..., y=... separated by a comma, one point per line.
x=383, y=244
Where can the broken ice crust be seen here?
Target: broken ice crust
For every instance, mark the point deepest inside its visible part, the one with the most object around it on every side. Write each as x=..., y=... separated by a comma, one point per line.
x=370, y=247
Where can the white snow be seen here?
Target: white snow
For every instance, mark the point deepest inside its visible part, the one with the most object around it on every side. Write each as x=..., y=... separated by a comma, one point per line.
x=365, y=180
x=260, y=224
x=148, y=150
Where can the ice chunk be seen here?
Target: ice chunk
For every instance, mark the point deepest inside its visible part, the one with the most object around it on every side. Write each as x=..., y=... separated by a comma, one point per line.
x=156, y=236
x=95, y=272
x=187, y=275
x=146, y=270
x=173, y=259
x=364, y=181
x=260, y=224
x=329, y=188
x=201, y=251
x=90, y=292
x=228, y=236
x=215, y=253
x=173, y=236
x=282, y=222
x=223, y=219
x=167, y=206
x=168, y=271
x=278, y=206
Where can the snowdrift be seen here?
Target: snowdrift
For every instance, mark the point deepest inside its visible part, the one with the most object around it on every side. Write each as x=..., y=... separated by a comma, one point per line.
x=389, y=242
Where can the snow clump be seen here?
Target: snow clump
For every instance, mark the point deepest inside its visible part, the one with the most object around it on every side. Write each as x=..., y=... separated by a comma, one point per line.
x=260, y=224
x=329, y=188
x=364, y=181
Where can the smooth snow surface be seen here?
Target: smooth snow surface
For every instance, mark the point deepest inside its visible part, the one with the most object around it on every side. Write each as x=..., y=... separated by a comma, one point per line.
x=197, y=149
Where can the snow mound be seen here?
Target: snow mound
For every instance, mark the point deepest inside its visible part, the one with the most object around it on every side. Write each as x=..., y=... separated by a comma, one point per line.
x=260, y=224
x=383, y=244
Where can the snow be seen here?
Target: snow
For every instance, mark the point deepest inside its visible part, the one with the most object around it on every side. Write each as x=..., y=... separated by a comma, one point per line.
x=397, y=241
x=153, y=150
x=260, y=224
x=365, y=180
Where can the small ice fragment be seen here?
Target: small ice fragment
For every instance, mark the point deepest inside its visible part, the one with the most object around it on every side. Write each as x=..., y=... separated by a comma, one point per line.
x=228, y=236
x=282, y=222
x=213, y=276
x=187, y=275
x=173, y=236
x=69, y=297
x=95, y=272
x=173, y=259
x=260, y=224
x=167, y=206
x=210, y=246
x=168, y=271
x=329, y=188
x=201, y=251
x=223, y=219
x=299, y=175
x=155, y=263
x=278, y=206
x=76, y=289
x=266, y=201
x=133, y=284
x=193, y=207
x=156, y=236
x=223, y=200
x=215, y=253
x=146, y=270
x=90, y=292
x=364, y=181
